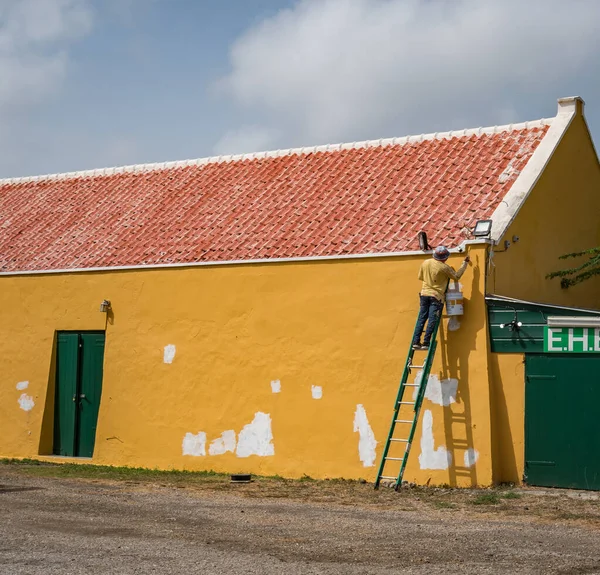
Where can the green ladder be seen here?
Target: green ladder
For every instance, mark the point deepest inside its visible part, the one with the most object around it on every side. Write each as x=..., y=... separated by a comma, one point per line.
x=402, y=406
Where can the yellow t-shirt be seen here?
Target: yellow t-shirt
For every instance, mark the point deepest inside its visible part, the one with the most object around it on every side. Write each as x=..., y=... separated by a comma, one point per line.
x=435, y=277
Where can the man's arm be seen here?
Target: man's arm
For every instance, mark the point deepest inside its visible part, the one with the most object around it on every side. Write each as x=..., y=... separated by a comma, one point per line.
x=421, y=273
x=457, y=275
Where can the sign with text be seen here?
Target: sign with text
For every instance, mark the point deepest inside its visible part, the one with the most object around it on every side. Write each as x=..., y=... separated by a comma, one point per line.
x=572, y=340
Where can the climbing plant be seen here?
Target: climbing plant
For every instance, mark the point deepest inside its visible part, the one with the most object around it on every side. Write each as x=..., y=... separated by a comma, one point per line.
x=586, y=270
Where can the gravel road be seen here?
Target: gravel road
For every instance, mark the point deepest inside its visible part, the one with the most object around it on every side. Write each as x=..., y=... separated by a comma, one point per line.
x=73, y=526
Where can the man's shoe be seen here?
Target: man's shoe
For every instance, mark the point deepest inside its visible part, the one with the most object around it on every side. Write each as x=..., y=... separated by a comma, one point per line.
x=417, y=346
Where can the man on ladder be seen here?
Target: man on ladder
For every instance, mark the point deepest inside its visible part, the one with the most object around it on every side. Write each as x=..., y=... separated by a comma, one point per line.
x=435, y=274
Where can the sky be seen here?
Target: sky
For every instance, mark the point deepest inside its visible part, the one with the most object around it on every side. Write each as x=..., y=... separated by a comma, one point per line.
x=95, y=83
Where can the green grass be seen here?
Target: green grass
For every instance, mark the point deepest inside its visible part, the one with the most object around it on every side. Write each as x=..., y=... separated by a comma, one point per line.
x=511, y=495
x=487, y=499
x=306, y=478
x=43, y=468
x=87, y=471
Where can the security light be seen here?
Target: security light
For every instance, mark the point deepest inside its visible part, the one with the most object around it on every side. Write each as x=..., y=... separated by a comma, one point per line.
x=483, y=228
x=105, y=306
x=514, y=325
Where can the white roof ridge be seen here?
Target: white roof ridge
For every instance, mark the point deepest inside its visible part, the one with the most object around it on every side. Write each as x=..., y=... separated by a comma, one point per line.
x=284, y=152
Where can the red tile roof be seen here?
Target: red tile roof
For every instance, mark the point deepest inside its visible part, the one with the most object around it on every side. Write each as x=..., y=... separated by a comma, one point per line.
x=367, y=199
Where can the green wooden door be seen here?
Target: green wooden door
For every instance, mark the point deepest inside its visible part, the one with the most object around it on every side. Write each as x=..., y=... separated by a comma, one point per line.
x=90, y=390
x=79, y=363
x=65, y=401
x=562, y=421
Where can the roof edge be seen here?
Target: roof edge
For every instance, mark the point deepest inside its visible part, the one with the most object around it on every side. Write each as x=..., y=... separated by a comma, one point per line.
x=279, y=153
x=457, y=250
x=505, y=299
x=506, y=212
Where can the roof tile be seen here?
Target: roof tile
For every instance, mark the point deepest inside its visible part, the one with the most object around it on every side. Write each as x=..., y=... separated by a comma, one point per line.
x=340, y=200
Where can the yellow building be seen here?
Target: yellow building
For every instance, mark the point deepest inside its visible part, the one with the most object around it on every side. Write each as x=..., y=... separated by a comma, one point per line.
x=257, y=310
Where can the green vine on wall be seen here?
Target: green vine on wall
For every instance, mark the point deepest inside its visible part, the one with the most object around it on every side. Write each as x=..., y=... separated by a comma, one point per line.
x=585, y=271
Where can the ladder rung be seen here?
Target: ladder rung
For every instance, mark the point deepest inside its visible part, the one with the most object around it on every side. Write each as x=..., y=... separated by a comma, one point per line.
x=402, y=421
x=415, y=366
x=405, y=440
x=395, y=458
x=406, y=403
x=387, y=477
x=410, y=384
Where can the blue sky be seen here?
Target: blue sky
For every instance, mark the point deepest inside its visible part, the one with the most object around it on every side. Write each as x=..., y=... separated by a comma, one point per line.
x=95, y=83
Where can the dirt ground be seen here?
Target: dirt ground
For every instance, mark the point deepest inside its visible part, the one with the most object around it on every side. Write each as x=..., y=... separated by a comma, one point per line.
x=56, y=520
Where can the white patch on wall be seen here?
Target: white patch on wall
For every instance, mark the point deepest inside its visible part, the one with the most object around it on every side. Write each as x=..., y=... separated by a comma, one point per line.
x=224, y=444
x=439, y=392
x=367, y=443
x=453, y=324
x=169, y=353
x=22, y=385
x=317, y=392
x=256, y=438
x=194, y=444
x=471, y=457
x=276, y=386
x=431, y=458
x=26, y=402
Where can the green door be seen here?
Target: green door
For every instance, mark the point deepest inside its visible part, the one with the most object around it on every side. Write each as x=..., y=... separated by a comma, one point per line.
x=65, y=405
x=78, y=390
x=92, y=357
x=562, y=421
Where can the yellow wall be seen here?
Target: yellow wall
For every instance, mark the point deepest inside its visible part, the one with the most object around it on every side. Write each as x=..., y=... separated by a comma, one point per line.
x=507, y=372
x=342, y=325
x=561, y=215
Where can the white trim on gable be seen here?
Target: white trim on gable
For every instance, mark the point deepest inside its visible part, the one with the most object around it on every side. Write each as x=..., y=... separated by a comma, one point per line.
x=505, y=213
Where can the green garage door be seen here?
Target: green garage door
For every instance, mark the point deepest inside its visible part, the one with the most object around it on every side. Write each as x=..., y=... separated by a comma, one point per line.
x=562, y=421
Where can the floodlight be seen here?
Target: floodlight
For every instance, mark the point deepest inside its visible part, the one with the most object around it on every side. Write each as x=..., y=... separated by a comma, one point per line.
x=483, y=228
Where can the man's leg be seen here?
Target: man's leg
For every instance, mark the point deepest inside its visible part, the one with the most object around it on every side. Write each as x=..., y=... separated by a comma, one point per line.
x=435, y=310
x=423, y=313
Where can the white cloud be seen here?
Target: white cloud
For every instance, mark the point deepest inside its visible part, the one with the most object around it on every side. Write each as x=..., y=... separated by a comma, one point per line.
x=34, y=36
x=246, y=139
x=27, y=22
x=343, y=70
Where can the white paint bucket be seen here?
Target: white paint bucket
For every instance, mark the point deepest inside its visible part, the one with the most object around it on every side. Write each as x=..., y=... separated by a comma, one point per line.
x=454, y=301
